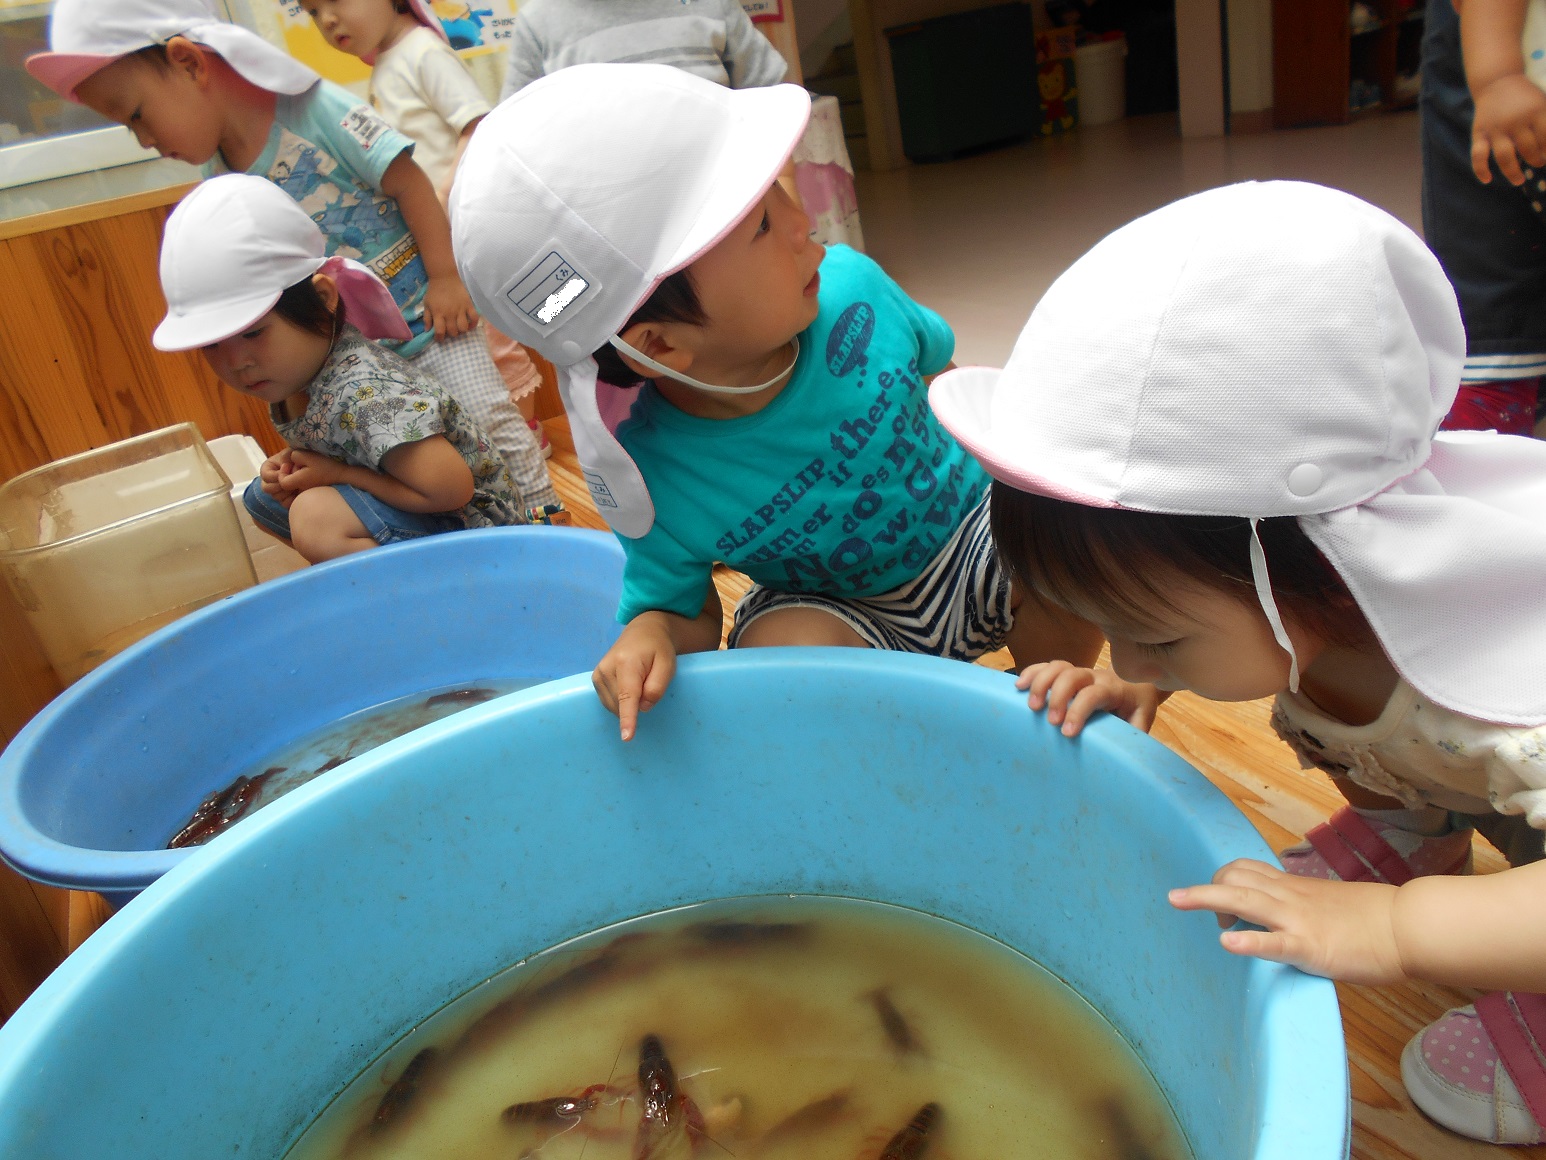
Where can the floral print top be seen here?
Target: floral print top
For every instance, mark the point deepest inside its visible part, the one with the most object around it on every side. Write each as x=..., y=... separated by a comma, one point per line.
x=366, y=401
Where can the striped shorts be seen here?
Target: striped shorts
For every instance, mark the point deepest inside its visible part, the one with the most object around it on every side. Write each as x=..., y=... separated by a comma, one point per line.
x=462, y=367
x=958, y=607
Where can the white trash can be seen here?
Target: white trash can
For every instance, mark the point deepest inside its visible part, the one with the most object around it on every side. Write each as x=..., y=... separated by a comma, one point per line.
x=1100, y=69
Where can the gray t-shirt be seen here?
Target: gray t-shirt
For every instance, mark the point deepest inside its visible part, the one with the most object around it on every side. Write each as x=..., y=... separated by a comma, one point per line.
x=713, y=39
x=366, y=401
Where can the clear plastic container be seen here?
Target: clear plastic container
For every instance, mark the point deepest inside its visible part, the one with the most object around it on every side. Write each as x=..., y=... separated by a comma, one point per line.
x=104, y=548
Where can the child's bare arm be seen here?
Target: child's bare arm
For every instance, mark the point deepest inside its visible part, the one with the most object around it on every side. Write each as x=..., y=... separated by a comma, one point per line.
x=447, y=306
x=444, y=190
x=634, y=674
x=1484, y=931
x=428, y=475
x=1510, y=120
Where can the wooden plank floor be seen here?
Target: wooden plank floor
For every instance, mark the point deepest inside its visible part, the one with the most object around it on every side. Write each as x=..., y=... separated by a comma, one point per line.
x=1235, y=748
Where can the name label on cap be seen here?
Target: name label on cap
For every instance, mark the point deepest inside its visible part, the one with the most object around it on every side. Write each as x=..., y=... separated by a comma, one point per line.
x=550, y=289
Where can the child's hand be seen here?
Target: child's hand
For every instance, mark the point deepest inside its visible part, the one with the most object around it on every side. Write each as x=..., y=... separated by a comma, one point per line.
x=634, y=674
x=307, y=469
x=1072, y=695
x=1510, y=124
x=271, y=475
x=1339, y=930
x=448, y=308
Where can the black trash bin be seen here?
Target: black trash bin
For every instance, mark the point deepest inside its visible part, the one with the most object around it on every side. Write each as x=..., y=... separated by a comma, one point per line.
x=966, y=81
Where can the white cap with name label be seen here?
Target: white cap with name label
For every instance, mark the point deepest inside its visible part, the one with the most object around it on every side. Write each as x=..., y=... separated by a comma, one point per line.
x=578, y=195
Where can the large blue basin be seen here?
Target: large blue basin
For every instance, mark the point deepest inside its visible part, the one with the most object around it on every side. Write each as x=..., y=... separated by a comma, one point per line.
x=222, y=1009
x=93, y=787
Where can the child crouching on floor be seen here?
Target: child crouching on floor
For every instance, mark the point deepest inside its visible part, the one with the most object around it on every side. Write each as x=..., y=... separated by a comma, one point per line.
x=424, y=91
x=204, y=91
x=1265, y=509
x=624, y=220
x=378, y=453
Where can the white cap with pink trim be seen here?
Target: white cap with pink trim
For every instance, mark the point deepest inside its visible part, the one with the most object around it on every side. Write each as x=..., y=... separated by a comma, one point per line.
x=234, y=245
x=85, y=36
x=1284, y=349
x=579, y=194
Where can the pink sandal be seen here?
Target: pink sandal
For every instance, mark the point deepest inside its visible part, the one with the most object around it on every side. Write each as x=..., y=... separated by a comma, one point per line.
x=1350, y=847
x=1481, y=1070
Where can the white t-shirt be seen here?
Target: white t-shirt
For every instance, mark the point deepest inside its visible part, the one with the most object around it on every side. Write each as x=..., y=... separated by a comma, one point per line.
x=1535, y=42
x=1424, y=755
x=423, y=90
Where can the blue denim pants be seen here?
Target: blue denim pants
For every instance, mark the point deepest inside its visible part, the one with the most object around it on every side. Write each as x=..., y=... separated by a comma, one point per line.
x=385, y=523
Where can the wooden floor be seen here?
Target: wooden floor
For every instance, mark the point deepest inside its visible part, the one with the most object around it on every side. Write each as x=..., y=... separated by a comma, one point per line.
x=1233, y=745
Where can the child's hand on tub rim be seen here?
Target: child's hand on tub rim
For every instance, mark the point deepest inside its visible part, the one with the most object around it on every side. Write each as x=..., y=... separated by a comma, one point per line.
x=1339, y=930
x=1072, y=695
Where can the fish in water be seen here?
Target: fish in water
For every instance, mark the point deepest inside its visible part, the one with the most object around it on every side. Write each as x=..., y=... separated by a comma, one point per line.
x=913, y=1140
x=730, y=933
x=221, y=809
x=401, y=1094
x=897, y=1029
x=461, y=697
x=553, y=1110
x=1126, y=1141
x=816, y=1116
x=670, y=1124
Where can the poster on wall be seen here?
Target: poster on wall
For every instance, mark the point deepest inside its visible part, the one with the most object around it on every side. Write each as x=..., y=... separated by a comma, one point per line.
x=764, y=11
x=474, y=29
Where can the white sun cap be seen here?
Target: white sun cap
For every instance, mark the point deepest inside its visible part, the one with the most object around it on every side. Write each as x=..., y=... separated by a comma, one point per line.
x=85, y=36
x=580, y=193
x=1283, y=349
x=233, y=246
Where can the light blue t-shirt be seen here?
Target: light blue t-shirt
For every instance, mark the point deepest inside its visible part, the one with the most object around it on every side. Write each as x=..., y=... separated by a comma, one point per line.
x=845, y=484
x=329, y=150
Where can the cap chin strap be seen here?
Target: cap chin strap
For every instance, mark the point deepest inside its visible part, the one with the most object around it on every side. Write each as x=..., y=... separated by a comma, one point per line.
x=1270, y=606
x=661, y=369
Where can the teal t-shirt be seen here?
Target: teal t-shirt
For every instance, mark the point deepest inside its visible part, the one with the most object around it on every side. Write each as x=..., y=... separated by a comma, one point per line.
x=845, y=484
x=329, y=150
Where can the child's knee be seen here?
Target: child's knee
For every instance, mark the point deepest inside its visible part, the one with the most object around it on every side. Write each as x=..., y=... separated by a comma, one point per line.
x=321, y=520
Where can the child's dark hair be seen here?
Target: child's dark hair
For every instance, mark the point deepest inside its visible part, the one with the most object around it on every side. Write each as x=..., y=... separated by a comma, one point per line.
x=302, y=305
x=674, y=300
x=1127, y=561
x=155, y=56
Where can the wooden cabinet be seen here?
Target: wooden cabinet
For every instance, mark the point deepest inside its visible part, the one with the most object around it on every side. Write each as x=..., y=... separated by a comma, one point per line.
x=1334, y=59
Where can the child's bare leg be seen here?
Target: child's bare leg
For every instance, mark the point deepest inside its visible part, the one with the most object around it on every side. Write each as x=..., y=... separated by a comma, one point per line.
x=1044, y=632
x=799, y=626
x=324, y=527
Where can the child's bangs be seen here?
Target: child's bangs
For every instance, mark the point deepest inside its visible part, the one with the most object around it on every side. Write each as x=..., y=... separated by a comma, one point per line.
x=1104, y=564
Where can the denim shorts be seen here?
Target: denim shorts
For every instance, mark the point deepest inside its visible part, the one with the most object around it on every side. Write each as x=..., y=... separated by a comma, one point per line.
x=385, y=523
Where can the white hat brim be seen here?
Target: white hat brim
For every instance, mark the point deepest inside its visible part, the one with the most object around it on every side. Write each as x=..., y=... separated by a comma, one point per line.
x=207, y=326
x=769, y=124
x=962, y=400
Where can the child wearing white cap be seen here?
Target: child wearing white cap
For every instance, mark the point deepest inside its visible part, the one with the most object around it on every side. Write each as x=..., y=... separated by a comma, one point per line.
x=378, y=453
x=424, y=91
x=624, y=220
x=213, y=94
x=1265, y=509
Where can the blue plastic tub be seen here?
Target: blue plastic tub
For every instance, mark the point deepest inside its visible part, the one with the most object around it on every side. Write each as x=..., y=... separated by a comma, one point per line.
x=95, y=785
x=222, y=1009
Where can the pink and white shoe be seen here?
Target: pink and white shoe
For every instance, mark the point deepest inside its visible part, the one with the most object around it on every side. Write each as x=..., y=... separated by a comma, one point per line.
x=543, y=445
x=1479, y=1070
x=1350, y=847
